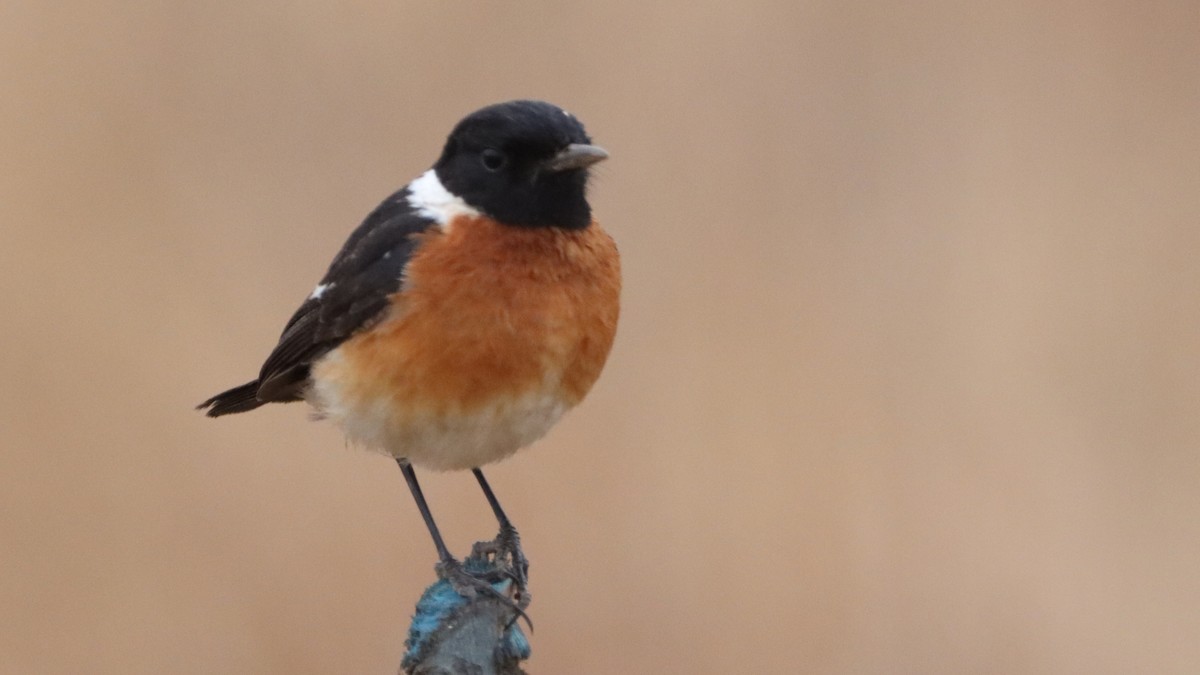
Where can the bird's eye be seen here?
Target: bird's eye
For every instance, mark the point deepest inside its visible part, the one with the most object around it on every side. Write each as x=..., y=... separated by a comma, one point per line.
x=493, y=160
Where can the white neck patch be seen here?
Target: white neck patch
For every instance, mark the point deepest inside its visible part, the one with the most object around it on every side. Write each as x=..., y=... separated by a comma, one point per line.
x=432, y=200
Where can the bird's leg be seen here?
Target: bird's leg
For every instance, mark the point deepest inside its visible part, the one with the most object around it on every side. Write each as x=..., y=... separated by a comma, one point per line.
x=449, y=568
x=506, y=547
x=410, y=477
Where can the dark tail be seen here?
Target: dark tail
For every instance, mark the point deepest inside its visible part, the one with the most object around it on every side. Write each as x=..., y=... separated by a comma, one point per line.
x=236, y=400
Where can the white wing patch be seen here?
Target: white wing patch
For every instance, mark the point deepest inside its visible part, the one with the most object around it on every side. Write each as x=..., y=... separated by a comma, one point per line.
x=320, y=290
x=432, y=200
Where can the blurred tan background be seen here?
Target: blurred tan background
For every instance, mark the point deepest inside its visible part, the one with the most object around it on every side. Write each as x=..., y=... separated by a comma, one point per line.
x=907, y=378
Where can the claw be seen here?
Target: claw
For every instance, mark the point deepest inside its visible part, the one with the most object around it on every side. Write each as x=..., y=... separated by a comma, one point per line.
x=505, y=554
x=470, y=585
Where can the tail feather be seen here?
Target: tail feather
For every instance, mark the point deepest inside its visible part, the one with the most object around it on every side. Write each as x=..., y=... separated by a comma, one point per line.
x=236, y=400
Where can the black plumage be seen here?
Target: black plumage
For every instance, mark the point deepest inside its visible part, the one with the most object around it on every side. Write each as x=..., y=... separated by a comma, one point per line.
x=362, y=276
x=520, y=188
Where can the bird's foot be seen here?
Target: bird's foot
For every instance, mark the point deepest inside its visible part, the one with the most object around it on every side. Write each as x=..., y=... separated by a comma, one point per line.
x=473, y=579
x=505, y=555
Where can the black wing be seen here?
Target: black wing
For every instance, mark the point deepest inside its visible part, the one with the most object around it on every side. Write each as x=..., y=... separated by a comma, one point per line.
x=354, y=295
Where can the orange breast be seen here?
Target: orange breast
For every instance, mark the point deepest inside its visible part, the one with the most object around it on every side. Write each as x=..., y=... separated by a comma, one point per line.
x=488, y=315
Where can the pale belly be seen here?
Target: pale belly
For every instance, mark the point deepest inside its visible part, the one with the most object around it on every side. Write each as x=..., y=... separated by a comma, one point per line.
x=435, y=436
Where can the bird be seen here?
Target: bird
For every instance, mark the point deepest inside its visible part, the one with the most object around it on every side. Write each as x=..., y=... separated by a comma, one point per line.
x=464, y=316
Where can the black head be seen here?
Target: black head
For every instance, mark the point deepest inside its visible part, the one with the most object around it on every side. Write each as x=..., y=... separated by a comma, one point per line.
x=522, y=163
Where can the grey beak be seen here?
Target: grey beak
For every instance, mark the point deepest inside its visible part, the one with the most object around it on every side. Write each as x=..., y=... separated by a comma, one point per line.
x=576, y=156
